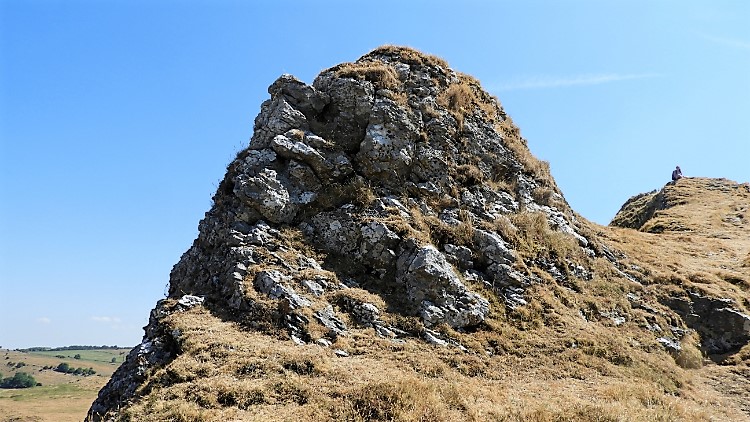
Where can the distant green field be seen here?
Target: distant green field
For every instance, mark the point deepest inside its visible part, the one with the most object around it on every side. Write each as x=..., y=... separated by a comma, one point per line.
x=44, y=392
x=62, y=397
x=94, y=355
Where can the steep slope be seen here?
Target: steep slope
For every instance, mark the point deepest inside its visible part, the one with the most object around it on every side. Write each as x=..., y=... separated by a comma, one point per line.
x=387, y=248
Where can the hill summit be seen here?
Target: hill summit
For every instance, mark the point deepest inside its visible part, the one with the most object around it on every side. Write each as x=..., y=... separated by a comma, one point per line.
x=387, y=248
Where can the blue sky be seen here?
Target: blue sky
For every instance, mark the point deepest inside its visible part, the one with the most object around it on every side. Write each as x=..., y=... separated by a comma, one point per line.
x=118, y=118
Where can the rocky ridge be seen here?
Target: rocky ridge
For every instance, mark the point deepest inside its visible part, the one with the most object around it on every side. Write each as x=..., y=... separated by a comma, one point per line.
x=392, y=199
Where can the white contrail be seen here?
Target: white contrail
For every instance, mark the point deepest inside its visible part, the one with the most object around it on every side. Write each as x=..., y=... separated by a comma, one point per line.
x=105, y=319
x=579, y=80
x=731, y=42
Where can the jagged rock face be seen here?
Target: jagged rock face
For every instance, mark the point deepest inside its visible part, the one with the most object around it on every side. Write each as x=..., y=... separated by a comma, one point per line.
x=349, y=161
x=377, y=178
x=723, y=328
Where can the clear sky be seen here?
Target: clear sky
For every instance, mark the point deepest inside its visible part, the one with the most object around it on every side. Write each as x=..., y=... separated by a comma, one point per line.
x=118, y=118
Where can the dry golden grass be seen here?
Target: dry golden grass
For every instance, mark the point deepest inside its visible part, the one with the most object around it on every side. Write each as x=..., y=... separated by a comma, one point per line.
x=533, y=237
x=380, y=74
x=699, y=242
x=383, y=77
x=226, y=373
x=466, y=97
x=458, y=98
x=469, y=175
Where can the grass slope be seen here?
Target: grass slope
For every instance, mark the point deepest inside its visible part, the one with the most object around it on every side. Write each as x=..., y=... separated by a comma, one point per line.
x=546, y=374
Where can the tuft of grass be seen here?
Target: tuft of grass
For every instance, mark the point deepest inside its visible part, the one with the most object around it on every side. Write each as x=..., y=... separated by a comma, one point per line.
x=433, y=230
x=457, y=98
x=534, y=237
x=518, y=146
x=469, y=175
x=382, y=75
x=362, y=194
x=465, y=97
x=408, y=55
x=400, y=400
x=347, y=297
x=544, y=195
x=690, y=356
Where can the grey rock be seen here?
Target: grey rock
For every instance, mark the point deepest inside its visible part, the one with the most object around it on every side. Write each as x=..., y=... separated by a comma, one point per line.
x=391, y=202
x=272, y=283
x=442, y=297
x=190, y=301
x=672, y=345
x=257, y=160
x=261, y=234
x=494, y=250
x=323, y=342
x=300, y=151
x=341, y=353
x=336, y=231
x=433, y=338
x=388, y=148
x=268, y=194
x=499, y=203
x=303, y=176
x=378, y=243
x=277, y=117
x=327, y=317
x=559, y=221
x=363, y=313
x=722, y=327
x=461, y=256
x=313, y=287
x=299, y=95
x=503, y=275
x=366, y=313
x=348, y=111
x=514, y=297
x=385, y=332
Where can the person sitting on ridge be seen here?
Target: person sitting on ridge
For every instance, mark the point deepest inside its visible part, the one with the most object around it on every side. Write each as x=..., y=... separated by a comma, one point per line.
x=676, y=174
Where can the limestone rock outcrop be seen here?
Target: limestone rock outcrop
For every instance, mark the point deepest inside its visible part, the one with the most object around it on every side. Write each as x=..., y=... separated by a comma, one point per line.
x=394, y=197
x=382, y=168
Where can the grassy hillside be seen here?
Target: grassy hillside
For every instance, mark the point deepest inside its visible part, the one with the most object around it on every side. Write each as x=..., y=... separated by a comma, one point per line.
x=698, y=240
x=62, y=397
x=579, y=350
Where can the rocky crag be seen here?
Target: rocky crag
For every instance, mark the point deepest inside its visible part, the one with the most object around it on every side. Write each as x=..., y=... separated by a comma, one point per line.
x=387, y=248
